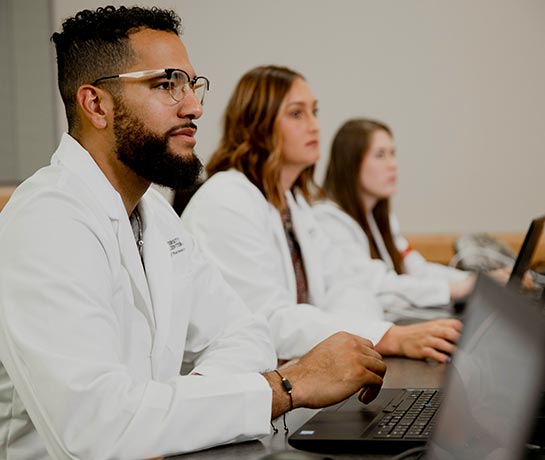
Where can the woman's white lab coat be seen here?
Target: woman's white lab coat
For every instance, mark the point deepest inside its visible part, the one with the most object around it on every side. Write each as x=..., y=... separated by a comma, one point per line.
x=415, y=264
x=243, y=233
x=93, y=345
x=425, y=284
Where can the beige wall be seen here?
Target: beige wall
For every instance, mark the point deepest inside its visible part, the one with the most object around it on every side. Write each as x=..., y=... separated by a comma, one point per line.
x=27, y=117
x=460, y=83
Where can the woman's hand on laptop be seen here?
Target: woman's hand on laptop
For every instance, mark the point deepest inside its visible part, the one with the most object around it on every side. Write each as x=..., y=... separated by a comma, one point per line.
x=431, y=339
x=502, y=275
x=460, y=289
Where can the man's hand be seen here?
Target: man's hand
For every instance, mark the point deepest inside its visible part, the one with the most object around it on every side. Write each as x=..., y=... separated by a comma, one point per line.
x=431, y=339
x=333, y=370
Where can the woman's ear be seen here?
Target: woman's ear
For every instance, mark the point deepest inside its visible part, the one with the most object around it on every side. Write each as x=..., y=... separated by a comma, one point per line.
x=96, y=105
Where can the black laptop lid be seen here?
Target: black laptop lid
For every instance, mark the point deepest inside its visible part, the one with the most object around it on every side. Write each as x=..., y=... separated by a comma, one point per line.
x=527, y=251
x=494, y=382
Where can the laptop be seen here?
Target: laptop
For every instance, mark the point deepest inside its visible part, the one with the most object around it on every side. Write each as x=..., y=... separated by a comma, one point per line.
x=404, y=314
x=527, y=251
x=523, y=263
x=488, y=403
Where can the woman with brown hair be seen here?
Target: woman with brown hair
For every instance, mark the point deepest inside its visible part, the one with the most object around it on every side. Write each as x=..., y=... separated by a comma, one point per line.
x=252, y=217
x=360, y=179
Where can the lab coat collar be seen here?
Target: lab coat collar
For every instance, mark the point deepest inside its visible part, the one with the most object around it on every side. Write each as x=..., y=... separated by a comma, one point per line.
x=73, y=156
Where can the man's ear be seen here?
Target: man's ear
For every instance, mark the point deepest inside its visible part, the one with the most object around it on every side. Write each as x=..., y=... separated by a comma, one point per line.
x=96, y=105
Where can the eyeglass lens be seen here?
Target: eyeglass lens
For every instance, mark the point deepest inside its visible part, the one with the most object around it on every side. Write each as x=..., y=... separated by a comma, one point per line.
x=179, y=85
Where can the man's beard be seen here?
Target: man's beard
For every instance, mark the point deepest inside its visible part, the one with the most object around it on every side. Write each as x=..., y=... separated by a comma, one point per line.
x=148, y=154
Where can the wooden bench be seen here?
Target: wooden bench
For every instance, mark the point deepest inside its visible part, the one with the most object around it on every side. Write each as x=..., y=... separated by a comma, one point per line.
x=439, y=247
x=5, y=193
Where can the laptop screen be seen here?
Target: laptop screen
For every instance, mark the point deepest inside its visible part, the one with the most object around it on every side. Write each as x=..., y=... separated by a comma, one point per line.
x=494, y=381
x=527, y=254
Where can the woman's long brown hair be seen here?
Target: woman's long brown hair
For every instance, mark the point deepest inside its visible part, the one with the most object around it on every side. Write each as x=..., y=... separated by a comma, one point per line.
x=341, y=184
x=250, y=141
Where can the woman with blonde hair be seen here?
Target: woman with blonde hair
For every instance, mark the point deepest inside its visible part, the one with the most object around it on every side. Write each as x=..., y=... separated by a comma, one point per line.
x=252, y=217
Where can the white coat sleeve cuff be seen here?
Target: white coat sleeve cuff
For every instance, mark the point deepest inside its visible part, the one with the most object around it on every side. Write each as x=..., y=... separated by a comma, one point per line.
x=374, y=331
x=254, y=396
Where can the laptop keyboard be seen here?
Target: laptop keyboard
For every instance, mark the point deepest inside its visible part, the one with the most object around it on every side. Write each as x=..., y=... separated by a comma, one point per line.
x=409, y=416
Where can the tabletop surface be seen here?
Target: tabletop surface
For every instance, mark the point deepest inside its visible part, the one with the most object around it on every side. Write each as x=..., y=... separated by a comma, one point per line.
x=401, y=372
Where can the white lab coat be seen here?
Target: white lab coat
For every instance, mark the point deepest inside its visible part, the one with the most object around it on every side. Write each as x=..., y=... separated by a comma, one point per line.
x=415, y=264
x=424, y=285
x=243, y=234
x=93, y=345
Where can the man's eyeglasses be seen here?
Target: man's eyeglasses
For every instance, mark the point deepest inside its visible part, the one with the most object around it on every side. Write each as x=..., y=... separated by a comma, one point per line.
x=178, y=82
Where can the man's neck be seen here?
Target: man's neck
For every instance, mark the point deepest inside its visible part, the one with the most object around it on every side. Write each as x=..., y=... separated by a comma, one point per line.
x=128, y=184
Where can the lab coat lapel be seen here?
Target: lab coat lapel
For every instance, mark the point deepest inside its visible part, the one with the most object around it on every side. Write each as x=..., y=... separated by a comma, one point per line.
x=306, y=231
x=130, y=258
x=71, y=154
x=280, y=236
x=158, y=263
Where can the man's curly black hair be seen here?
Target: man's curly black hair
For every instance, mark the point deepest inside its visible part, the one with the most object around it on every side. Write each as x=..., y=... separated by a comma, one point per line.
x=93, y=44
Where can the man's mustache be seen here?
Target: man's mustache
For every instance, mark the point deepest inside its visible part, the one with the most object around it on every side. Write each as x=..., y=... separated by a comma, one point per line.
x=188, y=124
